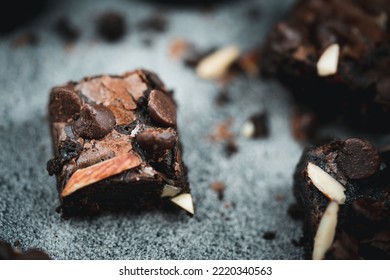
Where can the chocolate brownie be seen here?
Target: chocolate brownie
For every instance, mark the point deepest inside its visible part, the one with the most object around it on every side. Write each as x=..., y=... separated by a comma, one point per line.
x=116, y=145
x=343, y=188
x=334, y=57
x=7, y=252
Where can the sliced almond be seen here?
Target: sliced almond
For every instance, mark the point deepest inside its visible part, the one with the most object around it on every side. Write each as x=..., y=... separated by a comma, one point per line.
x=248, y=129
x=217, y=63
x=326, y=231
x=170, y=191
x=185, y=202
x=327, y=63
x=330, y=187
x=100, y=171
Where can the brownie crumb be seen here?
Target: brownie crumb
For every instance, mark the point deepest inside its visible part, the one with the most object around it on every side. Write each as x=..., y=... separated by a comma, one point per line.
x=68, y=32
x=24, y=40
x=17, y=243
x=219, y=188
x=230, y=148
x=178, y=48
x=269, y=235
x=222, y=98
x=222, y=131
x=155, y=23
x=111, y=26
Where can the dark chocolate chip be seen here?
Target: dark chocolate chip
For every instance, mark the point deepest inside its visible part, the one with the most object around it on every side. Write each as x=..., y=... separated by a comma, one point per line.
x=358, y=159
x=161, y=108
x=219, y=188
x=154, y=80
x=95, y=121
x=156, y=140
x=64, y=103
x=111, y=26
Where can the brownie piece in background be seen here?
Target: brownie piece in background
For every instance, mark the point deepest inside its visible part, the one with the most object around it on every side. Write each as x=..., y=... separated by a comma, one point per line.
x=343, y=188
x=116, y=145
x=334, y=56
x=7, y=252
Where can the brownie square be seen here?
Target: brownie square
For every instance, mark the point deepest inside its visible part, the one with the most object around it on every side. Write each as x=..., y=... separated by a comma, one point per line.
x=334, y=56
x=343, y=189
x=116, y=145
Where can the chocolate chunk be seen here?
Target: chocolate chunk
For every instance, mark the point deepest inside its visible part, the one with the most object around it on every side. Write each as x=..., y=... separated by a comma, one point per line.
x=156, y=140
x=95, y=121
x=111, y=26
x=162, y=108
x=230, y=148
x=222, y=98
x=358, y=159
x=64, y=103
x=66, y=30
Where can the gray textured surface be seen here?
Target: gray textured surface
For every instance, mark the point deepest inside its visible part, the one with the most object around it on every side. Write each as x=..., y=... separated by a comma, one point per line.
x=255, y=176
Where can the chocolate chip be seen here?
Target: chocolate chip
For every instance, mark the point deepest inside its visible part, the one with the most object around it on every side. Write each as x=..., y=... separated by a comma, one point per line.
x=111, y=26
x=95, y=121
x=156, y=140
x=358, y=159
x=162, y=108
x=64, y=103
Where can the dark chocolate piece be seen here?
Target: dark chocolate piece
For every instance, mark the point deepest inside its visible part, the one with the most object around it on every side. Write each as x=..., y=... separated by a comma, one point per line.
x=111, y=26
x=7, y=252
x=116, y=145
x=357, y=90
x=363, y=221
x=95, y=121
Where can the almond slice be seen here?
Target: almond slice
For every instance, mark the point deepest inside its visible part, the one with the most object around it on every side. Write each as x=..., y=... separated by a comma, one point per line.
x=326, y=231
x=185, y=202
x=330, y=187
x=97, y=172
x=327, y=63
x=170, y=191
x=217, y=63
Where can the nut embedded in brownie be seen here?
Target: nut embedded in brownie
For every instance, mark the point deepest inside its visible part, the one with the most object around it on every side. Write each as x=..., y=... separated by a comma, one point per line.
x=343, y=188
x=334, y=57
x=116, y=145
